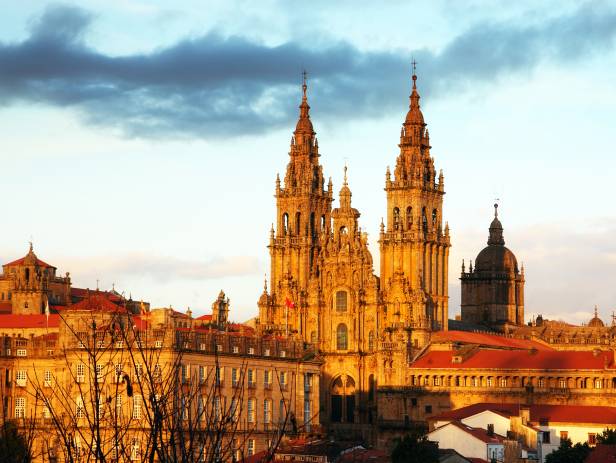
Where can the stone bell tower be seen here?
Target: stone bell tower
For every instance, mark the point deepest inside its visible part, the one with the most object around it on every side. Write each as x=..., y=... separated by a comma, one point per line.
x=303, y=207
x=414, y=245
x=30, y=283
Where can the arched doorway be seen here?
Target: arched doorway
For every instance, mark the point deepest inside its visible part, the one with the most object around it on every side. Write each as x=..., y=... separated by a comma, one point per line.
x=343, y=400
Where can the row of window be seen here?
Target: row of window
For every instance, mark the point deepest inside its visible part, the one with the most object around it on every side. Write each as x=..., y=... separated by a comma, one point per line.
x=397, y=218
x=476, y=381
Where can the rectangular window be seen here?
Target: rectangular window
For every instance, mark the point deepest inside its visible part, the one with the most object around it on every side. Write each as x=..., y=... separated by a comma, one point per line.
x=185, y=373
x=118, y=372
x=46, y=412
x=562, y=383
x=234, y=377
x=266, y=352
x=137, y=407
x=21, y=352
x=307, y=414
x=81, y=373
x=592, y=438
x=158, y=344
x=437, y=381
x=220, y=375
x=267, y=379
x=341, y=301
x=598, y=384
x=413, y=402
x=234, y=409
x=490, y=382
x=202, y=372
x=251, y=447
x=21, y=377
x=79, y=410
x=541, y=382
x=99, y=373
x=119, y=344
x=283, y=379
x=251, y=351
x=20, y=407
x=267, y=411
x=503, y=382
x=564, y=435
x=158, y=373
x=135, y=450
x=217, y=408
x=251, y=410
x=138, y=371
x=307, y=382
x=251, y=378
x=119, y=404
x=428, y=409
x=236, y=349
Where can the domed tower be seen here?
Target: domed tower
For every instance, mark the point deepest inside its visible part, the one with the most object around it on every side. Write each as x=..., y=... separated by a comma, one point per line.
x=493, y=292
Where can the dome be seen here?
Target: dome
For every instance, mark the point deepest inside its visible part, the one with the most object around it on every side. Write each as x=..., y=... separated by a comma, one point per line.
x=596, y=322
x=304, y=125
x=496, y=258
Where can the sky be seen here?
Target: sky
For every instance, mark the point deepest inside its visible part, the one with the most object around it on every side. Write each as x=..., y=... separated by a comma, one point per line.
x=140, y=140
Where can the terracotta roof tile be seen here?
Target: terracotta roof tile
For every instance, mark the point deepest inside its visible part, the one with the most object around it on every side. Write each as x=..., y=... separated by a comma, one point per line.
x=486, y=339
x=519, y=360
x=551, y=413
x=97, y=301
x=479, y=433
x=13, y=321
x=39, y=262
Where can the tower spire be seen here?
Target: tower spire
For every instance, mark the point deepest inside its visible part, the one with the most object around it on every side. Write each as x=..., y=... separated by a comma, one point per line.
x=304, y=125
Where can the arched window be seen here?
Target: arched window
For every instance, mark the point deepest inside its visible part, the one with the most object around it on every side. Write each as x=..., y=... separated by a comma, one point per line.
x=342, y=341
x=27, y=274
x=341, y=301
x=285, y=223
x=409, y=217
x=396, y=218
x=313, y=337
x=322, y=223
x=343, y=230
x=371, y=341
x=298, y=221
x=434, y=217
x=424, y=220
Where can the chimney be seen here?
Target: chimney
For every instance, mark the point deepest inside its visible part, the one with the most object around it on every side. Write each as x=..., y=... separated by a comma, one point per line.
x=490, y=431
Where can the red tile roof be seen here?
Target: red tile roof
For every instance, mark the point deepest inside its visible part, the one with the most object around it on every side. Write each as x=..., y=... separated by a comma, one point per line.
x=519, y=360
x=81, y=293
x=39, y=262
x=551, y=413
x=13, y=321
x=479, y=433
x=204, y=317
x=486, y=339
x=602, y=454
x=97, y=301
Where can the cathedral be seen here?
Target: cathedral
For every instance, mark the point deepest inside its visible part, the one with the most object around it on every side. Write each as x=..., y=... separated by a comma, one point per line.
x=323, y=288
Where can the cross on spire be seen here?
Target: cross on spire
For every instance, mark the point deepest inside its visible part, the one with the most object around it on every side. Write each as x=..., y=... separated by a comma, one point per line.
x=304, y=80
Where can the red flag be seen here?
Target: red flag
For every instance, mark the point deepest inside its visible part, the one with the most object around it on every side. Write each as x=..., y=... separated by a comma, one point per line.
x=289, y=303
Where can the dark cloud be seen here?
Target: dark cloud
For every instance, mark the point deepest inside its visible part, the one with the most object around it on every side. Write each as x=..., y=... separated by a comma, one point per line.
x=213, y=86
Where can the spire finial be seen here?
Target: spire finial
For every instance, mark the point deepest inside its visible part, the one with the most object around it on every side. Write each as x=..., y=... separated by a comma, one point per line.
x=414, y=63
x=496, y=209
x=265, y=284
x=596, y=311
x=304, y=84
x=345, y=173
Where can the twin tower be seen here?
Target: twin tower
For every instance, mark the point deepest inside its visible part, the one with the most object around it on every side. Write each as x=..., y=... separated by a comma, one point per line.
x=322, y=282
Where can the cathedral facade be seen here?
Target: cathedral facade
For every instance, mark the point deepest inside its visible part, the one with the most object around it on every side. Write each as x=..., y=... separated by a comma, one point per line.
x=323, y=288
